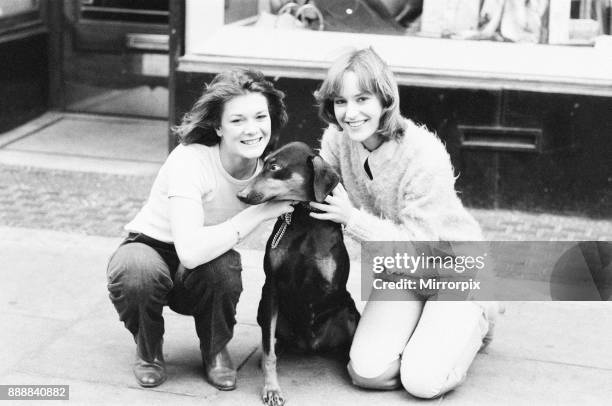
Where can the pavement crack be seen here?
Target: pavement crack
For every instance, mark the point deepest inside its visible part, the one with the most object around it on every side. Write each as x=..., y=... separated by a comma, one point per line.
x=247, y=358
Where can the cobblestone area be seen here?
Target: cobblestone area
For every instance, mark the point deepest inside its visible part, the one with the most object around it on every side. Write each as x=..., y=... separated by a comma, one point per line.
x=87, y=203
x=100, y=204
x=505, y=225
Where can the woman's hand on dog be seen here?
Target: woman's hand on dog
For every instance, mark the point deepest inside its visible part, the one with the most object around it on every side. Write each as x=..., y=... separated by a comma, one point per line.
x=250, y=218
x=338, y=208
x=273, y=209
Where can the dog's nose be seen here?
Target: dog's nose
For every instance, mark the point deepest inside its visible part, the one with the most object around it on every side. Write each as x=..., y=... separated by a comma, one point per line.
x=243, y=195
x=250, y=197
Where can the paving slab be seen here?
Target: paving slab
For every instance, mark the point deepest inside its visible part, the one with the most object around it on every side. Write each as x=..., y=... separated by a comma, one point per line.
x=23, y=336
x=568, y=333
x=29, y=128
x=55, y=275
x=96, y=136
x=494, y=380
x=90, y=143
x=77, y=163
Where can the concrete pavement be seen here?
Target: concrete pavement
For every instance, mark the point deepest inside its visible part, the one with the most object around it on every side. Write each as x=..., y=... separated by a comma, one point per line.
x=60, y=328
x=60, y=220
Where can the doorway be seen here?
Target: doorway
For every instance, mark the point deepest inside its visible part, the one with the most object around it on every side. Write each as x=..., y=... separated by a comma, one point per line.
x=115, y=57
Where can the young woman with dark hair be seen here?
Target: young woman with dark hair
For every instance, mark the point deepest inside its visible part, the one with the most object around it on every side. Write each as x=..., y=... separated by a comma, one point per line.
x=179, y=250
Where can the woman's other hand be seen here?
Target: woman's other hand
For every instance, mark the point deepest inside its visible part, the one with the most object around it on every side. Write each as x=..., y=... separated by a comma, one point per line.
x=338, y=208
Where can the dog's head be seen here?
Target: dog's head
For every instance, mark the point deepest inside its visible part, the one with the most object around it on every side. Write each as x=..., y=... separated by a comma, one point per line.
x=293, y=172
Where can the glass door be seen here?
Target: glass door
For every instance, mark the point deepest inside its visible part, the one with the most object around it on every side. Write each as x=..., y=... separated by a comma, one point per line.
x=116, y=57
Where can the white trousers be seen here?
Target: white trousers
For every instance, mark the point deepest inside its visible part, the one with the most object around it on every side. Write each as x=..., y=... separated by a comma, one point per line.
x=427, y=346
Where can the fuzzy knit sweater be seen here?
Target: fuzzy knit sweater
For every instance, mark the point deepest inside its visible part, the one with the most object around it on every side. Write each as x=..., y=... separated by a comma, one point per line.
x=411, y=196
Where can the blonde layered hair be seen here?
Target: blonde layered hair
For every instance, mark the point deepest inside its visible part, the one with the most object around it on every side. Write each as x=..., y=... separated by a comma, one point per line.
x=374, y=77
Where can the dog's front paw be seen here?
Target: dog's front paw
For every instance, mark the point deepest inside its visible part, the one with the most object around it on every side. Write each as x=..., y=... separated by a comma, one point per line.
x=272, y=396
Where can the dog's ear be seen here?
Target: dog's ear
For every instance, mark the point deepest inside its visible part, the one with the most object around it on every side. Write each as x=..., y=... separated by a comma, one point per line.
x=324, y=178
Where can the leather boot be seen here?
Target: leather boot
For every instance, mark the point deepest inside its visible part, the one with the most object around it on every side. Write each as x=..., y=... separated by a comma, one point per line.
x=220, y=371
x=150, y=374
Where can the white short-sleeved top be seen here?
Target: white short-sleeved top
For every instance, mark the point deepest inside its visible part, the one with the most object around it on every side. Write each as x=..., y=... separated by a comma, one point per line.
x=194, y=172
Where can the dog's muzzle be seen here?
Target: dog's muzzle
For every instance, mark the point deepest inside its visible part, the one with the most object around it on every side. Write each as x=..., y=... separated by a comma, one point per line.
x=250, y=197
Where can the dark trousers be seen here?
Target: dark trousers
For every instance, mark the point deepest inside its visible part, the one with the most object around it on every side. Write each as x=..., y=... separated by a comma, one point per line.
x=144, y=275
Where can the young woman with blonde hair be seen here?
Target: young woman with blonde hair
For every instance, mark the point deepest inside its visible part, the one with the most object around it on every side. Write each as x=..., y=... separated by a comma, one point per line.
x=397, y=185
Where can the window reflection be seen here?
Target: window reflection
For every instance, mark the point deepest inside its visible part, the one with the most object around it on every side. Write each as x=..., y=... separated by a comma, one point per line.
x=10, y=8
x=564, y=22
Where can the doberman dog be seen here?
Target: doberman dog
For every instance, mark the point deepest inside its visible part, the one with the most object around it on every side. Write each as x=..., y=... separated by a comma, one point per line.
x=304, y=302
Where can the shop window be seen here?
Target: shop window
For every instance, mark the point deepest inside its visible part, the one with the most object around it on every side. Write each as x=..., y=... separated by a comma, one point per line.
x=238, y=10
x=566, y=22
x=16, y=14
x=10, y=8
x=475, y=44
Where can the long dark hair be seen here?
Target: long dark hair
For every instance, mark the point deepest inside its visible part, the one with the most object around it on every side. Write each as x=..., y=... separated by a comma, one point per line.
x=200, y=123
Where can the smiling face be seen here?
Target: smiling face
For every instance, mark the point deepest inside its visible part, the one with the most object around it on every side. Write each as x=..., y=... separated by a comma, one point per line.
x=358, y=112
x=245, y=126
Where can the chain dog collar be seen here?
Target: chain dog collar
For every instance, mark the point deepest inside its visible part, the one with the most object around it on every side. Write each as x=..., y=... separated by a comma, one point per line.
x=281, y=231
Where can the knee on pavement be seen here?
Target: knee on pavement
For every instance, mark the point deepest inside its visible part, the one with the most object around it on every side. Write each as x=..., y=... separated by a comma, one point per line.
x=385, y=377
x=427, y=382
